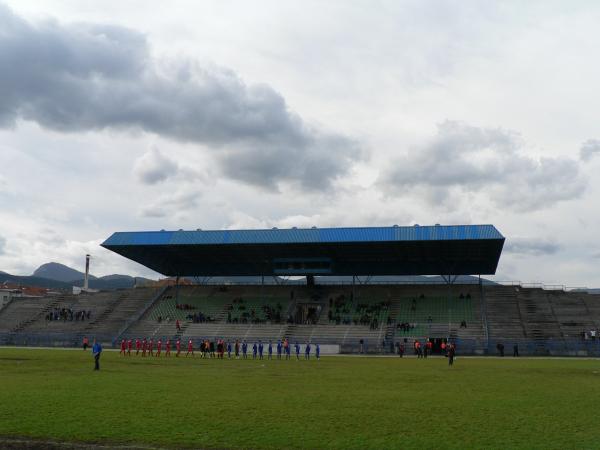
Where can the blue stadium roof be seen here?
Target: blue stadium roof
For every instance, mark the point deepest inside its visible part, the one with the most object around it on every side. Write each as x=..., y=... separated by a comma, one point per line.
x=422, y=250
x=304, y=235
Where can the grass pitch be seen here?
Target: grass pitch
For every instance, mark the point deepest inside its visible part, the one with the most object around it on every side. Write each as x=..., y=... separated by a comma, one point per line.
x=338, y=402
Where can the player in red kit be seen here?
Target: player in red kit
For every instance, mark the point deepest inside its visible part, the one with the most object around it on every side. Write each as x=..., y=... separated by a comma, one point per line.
x=144, y=347
x=151, y=347
x=122, y=347
x=168, y=348
x=178, y=347
x=138, y=346
x=158, y=347
x=190, y=348
x=129, y=346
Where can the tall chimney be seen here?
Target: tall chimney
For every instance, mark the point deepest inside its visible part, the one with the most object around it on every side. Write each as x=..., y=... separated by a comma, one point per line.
x=87, y=272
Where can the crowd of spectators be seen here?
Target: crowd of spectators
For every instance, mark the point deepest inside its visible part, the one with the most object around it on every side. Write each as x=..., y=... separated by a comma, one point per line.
x=67, y=314
x=199, y=317
x=239, y=312
x=405, y=327
x=184, y=306
x=341, y=311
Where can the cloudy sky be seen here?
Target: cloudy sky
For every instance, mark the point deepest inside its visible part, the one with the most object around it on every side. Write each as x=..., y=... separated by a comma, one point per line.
x=231, y=114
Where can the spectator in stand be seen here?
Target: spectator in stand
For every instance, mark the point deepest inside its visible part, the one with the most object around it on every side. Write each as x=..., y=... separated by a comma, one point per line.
x=178, y=325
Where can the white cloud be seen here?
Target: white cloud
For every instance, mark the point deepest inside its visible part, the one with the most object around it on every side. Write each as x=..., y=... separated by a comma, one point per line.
x=589, y=149
x=531, y=246
x=462, y=159
x=153, y=167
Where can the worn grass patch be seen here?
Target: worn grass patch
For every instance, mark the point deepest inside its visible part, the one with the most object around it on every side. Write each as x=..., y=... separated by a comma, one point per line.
x=338, y=402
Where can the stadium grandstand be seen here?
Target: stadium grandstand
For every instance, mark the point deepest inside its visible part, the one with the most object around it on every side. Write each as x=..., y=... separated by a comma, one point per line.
x=354, y=288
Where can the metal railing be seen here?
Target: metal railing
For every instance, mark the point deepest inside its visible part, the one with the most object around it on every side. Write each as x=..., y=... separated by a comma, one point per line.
x=474, y=281
x=526, y=347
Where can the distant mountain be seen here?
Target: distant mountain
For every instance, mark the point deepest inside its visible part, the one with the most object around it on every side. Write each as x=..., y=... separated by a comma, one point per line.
x=34, y=281
x=59, y=272
x=111, y=282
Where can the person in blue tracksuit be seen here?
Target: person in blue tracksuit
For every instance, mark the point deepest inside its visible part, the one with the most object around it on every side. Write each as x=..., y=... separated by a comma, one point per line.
x=279, y=346
x=96, y=352
x=229, y=349
x=307, y=351
x=297, y=350
x=244, y=350
x=317, y=351
x=270, y=349
x=254, y=349
x=260, y=350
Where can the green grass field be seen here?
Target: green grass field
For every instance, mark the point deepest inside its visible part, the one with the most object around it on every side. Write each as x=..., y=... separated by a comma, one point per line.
x=338, y=402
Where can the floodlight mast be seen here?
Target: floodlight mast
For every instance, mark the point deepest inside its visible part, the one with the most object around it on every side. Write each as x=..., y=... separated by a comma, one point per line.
x=87, y=273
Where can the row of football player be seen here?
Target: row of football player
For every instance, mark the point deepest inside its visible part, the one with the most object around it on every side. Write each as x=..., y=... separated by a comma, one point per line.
x=208, y=348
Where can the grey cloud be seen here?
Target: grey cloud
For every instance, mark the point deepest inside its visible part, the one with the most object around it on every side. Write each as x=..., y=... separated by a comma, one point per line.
x=467, y=159
x=171, y=203
x=2, y=245
x=589, y=149
x=153, y=167
x=531, y=246
x=88, y=77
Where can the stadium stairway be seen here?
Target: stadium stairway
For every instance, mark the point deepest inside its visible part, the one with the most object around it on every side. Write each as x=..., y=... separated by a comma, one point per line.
x=572, y=312
x=503, y=314
x=39, y=316
x=539, y=319
x=118, y=310
x=592, y=305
